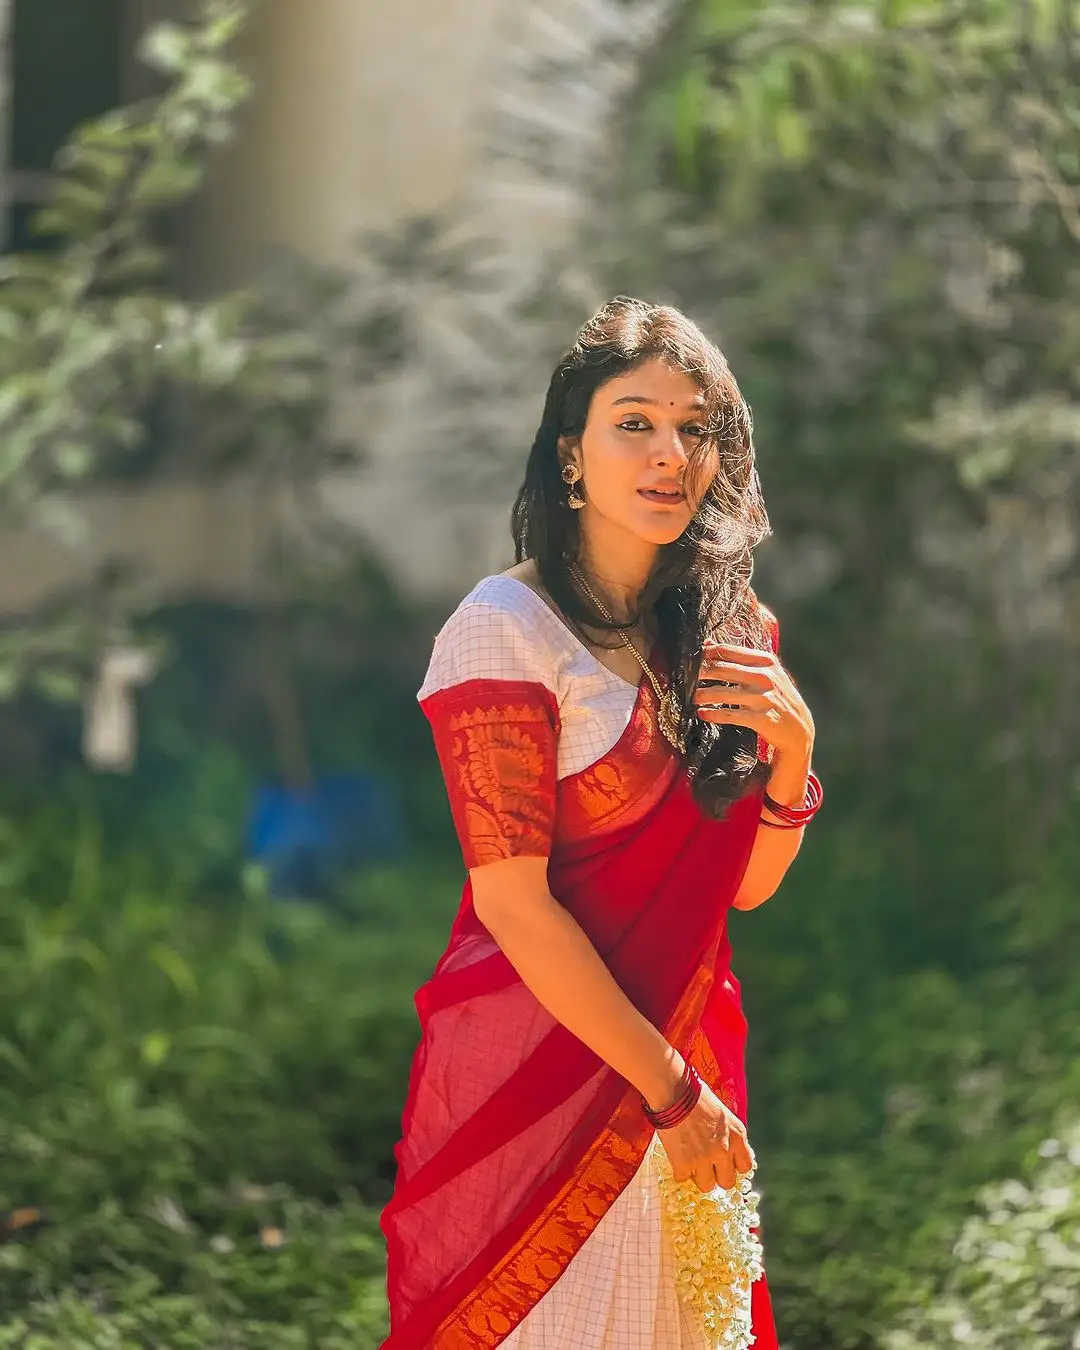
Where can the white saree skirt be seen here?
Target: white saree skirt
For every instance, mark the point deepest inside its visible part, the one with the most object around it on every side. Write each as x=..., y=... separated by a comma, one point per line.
x=618, y=1292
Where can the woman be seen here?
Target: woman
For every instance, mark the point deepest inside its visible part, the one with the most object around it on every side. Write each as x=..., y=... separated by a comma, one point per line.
x=607, y=714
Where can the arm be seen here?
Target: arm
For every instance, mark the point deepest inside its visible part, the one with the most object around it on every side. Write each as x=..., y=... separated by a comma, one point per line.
x=767, y=690
x=774, y=850
x=555, y=959
x=492, y=702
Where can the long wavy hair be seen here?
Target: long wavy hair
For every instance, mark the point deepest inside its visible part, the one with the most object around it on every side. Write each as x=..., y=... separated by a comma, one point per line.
x=700, y=585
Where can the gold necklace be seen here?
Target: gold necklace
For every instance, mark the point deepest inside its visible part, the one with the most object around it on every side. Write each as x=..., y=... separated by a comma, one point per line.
x=667, y=709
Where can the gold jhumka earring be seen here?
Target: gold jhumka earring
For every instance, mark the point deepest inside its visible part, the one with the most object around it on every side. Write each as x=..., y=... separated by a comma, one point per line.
x=574, y=498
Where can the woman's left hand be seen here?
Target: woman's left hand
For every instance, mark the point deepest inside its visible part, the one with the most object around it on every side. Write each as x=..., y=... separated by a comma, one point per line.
x=759, y=694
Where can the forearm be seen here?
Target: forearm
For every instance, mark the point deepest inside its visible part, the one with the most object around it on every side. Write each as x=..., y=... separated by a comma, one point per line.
x=774, y=850
x=556, y=960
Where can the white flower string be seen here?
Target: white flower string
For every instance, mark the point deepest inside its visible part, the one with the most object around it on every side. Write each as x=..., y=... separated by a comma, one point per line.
x=717, y=1256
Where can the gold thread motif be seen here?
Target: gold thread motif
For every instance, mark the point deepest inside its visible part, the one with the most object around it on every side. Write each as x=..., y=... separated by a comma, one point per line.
x=725, y=1087
x=625, y=782
x=507, y=1293
x=498, y=754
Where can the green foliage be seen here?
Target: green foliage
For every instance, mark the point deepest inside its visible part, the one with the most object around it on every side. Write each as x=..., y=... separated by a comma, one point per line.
x=1015, y=1269
x=896, y=1068
x=163, y=1279
x=96, y=345
x=874, y=208
x=182, y=1076
x=87, y=330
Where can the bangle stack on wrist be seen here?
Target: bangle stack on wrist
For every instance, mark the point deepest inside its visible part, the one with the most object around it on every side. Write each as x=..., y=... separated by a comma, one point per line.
x=680, y=1108
x=795, y=817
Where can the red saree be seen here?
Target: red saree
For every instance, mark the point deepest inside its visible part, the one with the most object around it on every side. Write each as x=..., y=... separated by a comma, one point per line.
x=516, y=1137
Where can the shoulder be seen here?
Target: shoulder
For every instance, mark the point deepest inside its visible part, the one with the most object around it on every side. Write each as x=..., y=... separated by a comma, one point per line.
x=499, y=631
x=502, y=606
x=771, y=621
x=768, y=618
x=772, y=625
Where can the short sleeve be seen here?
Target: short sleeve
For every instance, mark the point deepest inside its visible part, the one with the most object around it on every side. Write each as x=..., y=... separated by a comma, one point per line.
x=494, y=718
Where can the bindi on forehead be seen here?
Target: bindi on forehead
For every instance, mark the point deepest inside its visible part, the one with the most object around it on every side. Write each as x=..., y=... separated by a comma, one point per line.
x=695, y=404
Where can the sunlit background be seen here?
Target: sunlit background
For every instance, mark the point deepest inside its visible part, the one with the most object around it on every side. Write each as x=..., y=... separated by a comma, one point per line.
x=283, y=287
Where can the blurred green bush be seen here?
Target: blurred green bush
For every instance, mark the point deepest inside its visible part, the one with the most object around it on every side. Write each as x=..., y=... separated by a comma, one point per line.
x=872, y=206
x=182, y=1076
x=1014, y=1274
x=893, y=1073
x=186, y=1064
x=200, y=1088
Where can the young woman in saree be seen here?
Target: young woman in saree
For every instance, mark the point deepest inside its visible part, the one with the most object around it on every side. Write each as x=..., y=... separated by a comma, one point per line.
x=626, y=759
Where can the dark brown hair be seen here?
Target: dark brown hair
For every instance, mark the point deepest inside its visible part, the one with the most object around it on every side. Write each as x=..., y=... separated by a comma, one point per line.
x=700, y=585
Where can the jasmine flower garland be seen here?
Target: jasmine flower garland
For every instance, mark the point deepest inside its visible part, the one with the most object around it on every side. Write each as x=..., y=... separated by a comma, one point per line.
x=717, y=1256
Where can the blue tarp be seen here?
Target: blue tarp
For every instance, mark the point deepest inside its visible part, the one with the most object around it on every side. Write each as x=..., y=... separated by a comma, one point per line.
x=308, y=838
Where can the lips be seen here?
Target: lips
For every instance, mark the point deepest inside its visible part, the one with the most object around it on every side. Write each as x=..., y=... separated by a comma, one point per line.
x=662, y=496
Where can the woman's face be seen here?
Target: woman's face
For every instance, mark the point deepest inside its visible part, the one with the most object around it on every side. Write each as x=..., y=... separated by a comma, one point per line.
x=641, y=429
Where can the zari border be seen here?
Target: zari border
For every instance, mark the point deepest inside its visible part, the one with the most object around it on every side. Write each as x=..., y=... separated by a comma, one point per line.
x=507, y=1293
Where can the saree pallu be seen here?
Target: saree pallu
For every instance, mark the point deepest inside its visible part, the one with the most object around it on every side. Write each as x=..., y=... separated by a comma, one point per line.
x=516, y=1137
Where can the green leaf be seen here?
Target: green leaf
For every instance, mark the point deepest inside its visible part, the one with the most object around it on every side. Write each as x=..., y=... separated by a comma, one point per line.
x=73, y=459
x=166, y=47
x=155, y=1048
x=173, y=965
x=792, y=134
x=689, y=99
x=166, y=183
x=223, y=31
x=10, y=679
x=58, y=685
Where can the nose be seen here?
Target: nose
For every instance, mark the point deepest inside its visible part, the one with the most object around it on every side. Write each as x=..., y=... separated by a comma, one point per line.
x=667, y=450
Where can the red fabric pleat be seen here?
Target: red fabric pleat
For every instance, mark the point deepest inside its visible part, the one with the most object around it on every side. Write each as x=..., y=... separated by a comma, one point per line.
x=516, y=1137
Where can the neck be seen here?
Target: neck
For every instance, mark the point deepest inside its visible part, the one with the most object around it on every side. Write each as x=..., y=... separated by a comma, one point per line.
x=620, y=563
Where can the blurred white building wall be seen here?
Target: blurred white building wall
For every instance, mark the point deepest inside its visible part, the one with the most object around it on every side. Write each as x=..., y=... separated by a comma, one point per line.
x=494, y=112
x=363, y=112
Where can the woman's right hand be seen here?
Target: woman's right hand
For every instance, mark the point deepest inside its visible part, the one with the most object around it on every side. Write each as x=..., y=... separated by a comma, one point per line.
x=709, y=1146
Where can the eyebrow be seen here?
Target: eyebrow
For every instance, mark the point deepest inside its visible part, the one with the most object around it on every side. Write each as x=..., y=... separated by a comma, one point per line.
x=652, y=402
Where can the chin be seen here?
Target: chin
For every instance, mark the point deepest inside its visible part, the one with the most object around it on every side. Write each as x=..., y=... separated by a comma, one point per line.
x=662, y=532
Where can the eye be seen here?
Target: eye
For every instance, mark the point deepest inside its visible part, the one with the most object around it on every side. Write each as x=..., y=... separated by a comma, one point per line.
x=641, y=424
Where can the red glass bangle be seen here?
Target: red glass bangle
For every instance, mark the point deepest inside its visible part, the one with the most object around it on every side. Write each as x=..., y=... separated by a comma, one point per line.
x=796, y=816
x=683, y=1103
x=678, y=1111
x=684, y=1094
x=680, y=1108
